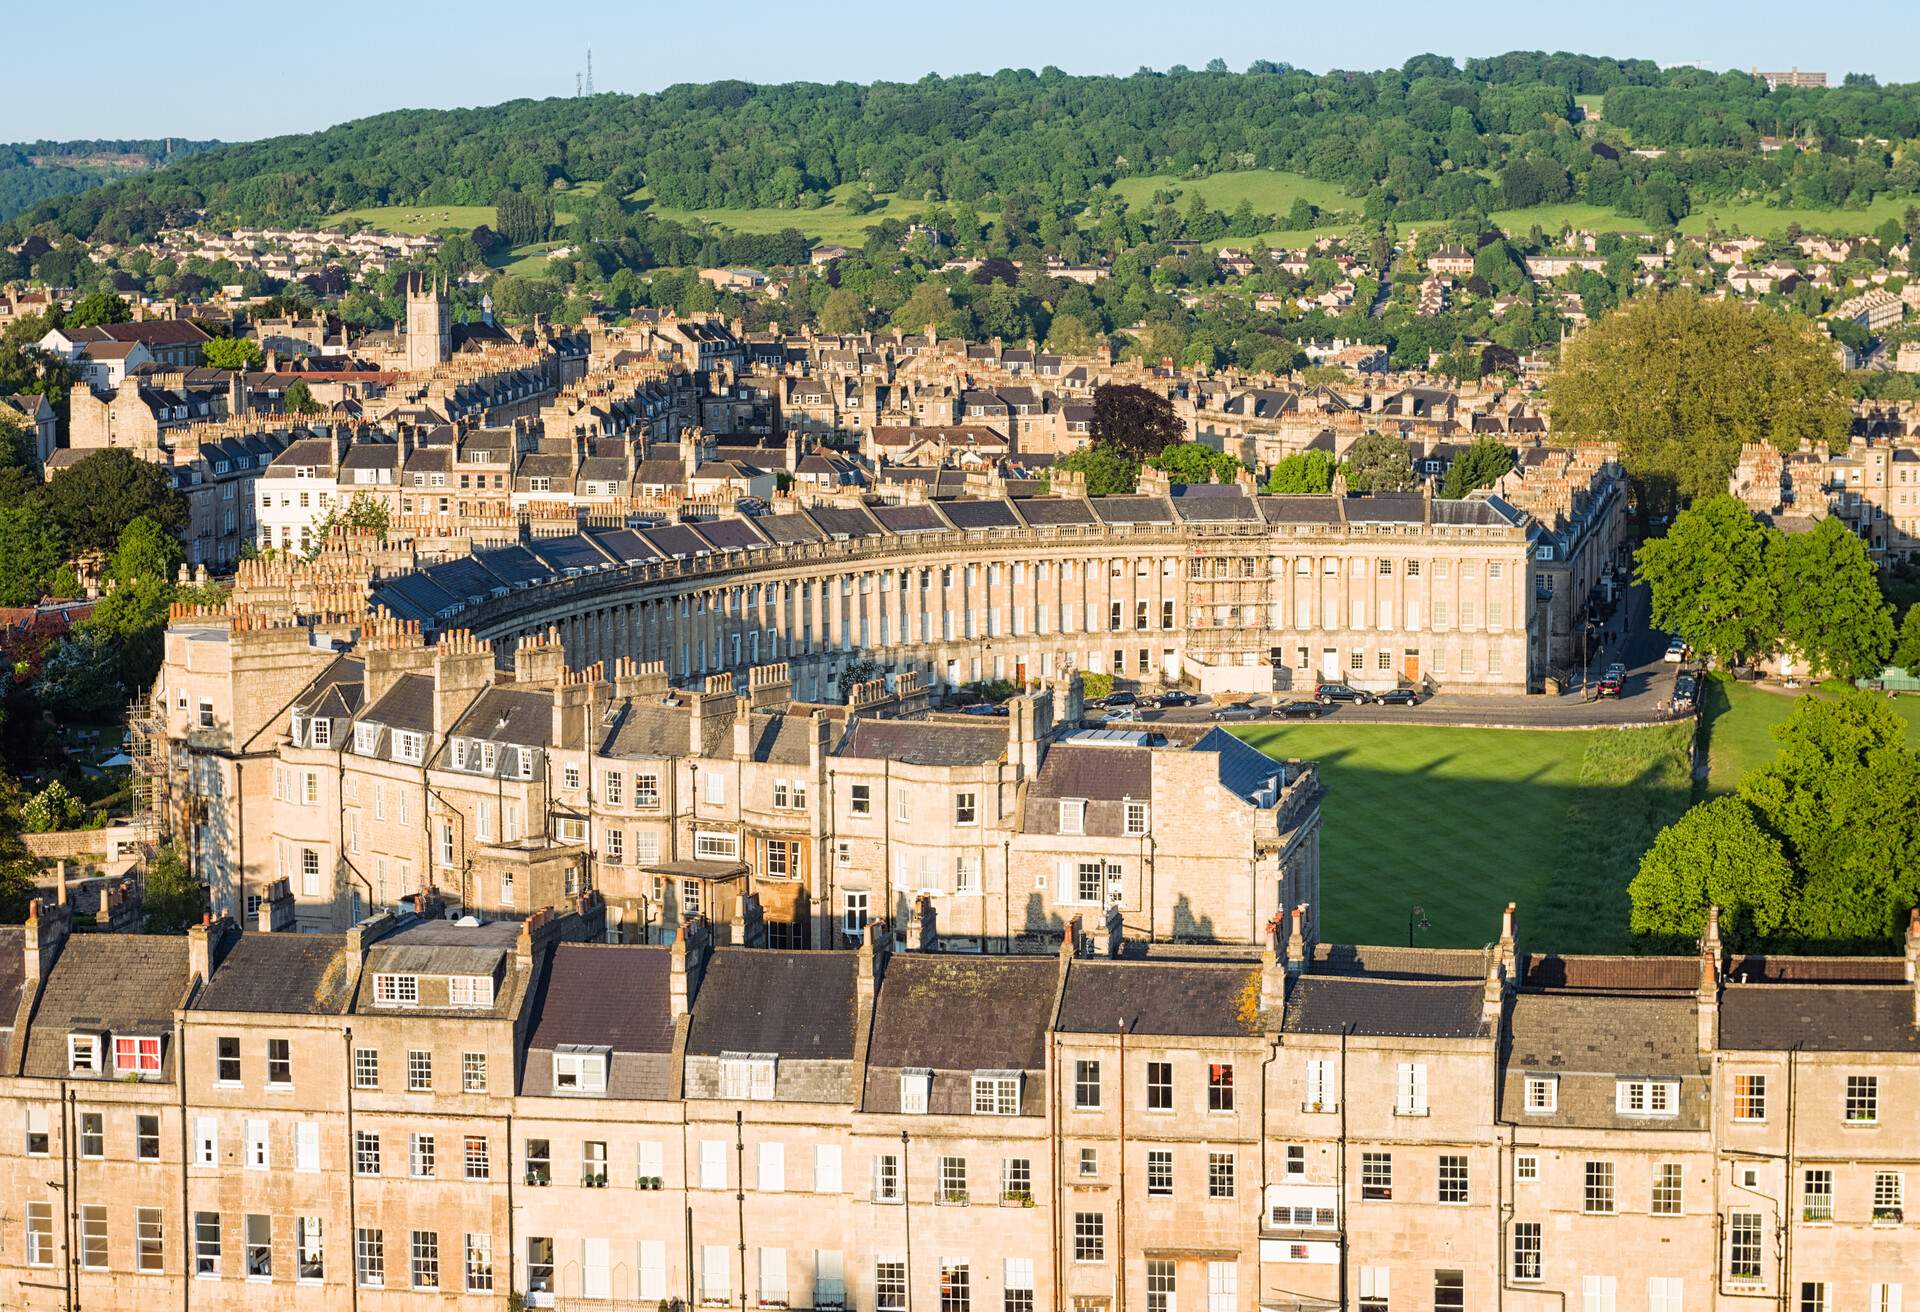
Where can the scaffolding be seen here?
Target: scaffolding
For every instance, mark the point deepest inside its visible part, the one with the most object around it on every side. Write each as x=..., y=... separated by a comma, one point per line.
x=151, y=781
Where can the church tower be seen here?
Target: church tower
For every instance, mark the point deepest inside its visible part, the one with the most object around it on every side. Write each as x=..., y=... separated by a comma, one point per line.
x=429, y=339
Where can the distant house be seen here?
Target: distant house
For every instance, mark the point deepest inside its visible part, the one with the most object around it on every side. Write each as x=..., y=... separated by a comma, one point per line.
x=1456, y=260
x=176, y=343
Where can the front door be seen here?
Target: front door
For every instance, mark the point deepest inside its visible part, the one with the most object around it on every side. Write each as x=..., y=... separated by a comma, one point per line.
x=1410, y=666
x=1329, y=665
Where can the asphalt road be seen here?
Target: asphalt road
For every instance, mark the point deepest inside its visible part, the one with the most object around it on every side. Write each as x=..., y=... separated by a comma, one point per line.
x=1645, y=692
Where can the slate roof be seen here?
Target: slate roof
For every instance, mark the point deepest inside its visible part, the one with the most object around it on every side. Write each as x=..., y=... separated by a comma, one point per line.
x=298, y=974
x=510, y=715
x=1387, y=1008
x=1244, y=768
x=924, y=742
x=980, y=514
x=1591, y=1041
x=780, y=739
x=613, y=996
x=1819, y=1018
x=1104, y=774
x=1192, y=999
x=13, y=978
x=116, y=983
x=963, y=1013
x=408, y=704
x=795, y=1004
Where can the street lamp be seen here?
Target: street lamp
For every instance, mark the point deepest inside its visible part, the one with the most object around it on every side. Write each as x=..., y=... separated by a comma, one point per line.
x=1417, y=920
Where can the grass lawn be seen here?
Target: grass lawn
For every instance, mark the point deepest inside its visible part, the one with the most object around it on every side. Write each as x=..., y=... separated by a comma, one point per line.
x=436, y=218
x=1271, y=191
x=1766, y=221
x=1462, y=821
x=1737, y=723
x=1551, y=218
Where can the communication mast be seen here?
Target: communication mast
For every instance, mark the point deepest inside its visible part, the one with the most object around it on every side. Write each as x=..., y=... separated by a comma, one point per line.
x=589, y=70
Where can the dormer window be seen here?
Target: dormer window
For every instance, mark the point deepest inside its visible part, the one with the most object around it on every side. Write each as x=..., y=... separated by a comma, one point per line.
x=489, y=757
x=747, y=1076
x=996, y=1093
x=578, y=1069
x=366, y=738
x=469, y=991
x=396, y=990
x=136, y=1054
x=1073, y=815
x=83, y=1054
x=320, y=733
x=916, y=1088
x=525, y=763
x=408, y=747
x=1646, y=1097
x=458, y=748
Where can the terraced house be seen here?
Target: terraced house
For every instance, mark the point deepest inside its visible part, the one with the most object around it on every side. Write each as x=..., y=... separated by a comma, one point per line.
x=424, y=1112
x=368, y=772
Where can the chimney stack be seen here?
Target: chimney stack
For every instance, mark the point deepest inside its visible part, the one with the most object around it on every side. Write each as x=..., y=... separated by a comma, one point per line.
x=1707, y=992
x=276, y=913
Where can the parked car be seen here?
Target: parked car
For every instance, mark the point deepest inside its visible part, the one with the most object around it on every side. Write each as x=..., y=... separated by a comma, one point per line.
x=1122, y=713
x=1686, y=689
x=1676, y=652
x=1609, y=687
x=1237, y=711
x=1341, y=692
x=1179, y=697
x=1399, y=697
x=1304, y=710
x=983, y=708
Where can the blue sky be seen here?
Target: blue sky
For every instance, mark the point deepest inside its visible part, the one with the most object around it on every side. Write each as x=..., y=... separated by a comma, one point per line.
x=247, y=71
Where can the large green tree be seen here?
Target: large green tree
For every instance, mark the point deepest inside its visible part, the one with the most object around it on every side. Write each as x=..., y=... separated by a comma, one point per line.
x=1309, y=472
x=1717, y=854
x=1378, y=462
x=171, y=898
x=1194, y=462
x=1681, y=382
x=1906, y=651
x=233, y=353
x=1713, y=580
x=94, y=500
x=1108, y=470
x=29, y=554
x=1831, y=610
x=1480, y=465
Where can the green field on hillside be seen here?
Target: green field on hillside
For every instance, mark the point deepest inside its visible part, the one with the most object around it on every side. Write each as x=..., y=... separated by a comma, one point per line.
x=429, y=218
x=1552, y=218
x=1766, y=221
x=1270, y=191
x=1461, y=821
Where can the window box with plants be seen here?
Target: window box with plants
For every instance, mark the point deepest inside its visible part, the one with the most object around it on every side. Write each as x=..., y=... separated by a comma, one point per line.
x=954, y=1197
x=539, y=1178
x=650, y=1182
x=594, y=1180
x=1017, y=1198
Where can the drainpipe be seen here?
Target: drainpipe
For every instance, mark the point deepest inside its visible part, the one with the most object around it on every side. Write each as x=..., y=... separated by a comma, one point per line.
x=1120, y=1201
x=906, y=1214
x=66, y=1196
x=352, y=1237
x=740, y=1197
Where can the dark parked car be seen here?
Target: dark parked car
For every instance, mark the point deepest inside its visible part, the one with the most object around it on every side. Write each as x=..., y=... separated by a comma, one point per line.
x=1399, y=697
x=1685, y=689
x=1237, y=711
x=1179, y=698
x=1304, y=710
x=1122, y=699
x=1340, y=692
x=983, y=708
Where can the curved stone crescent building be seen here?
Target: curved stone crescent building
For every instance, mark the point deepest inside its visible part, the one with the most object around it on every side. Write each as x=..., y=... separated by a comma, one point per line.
x=1238, y=592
